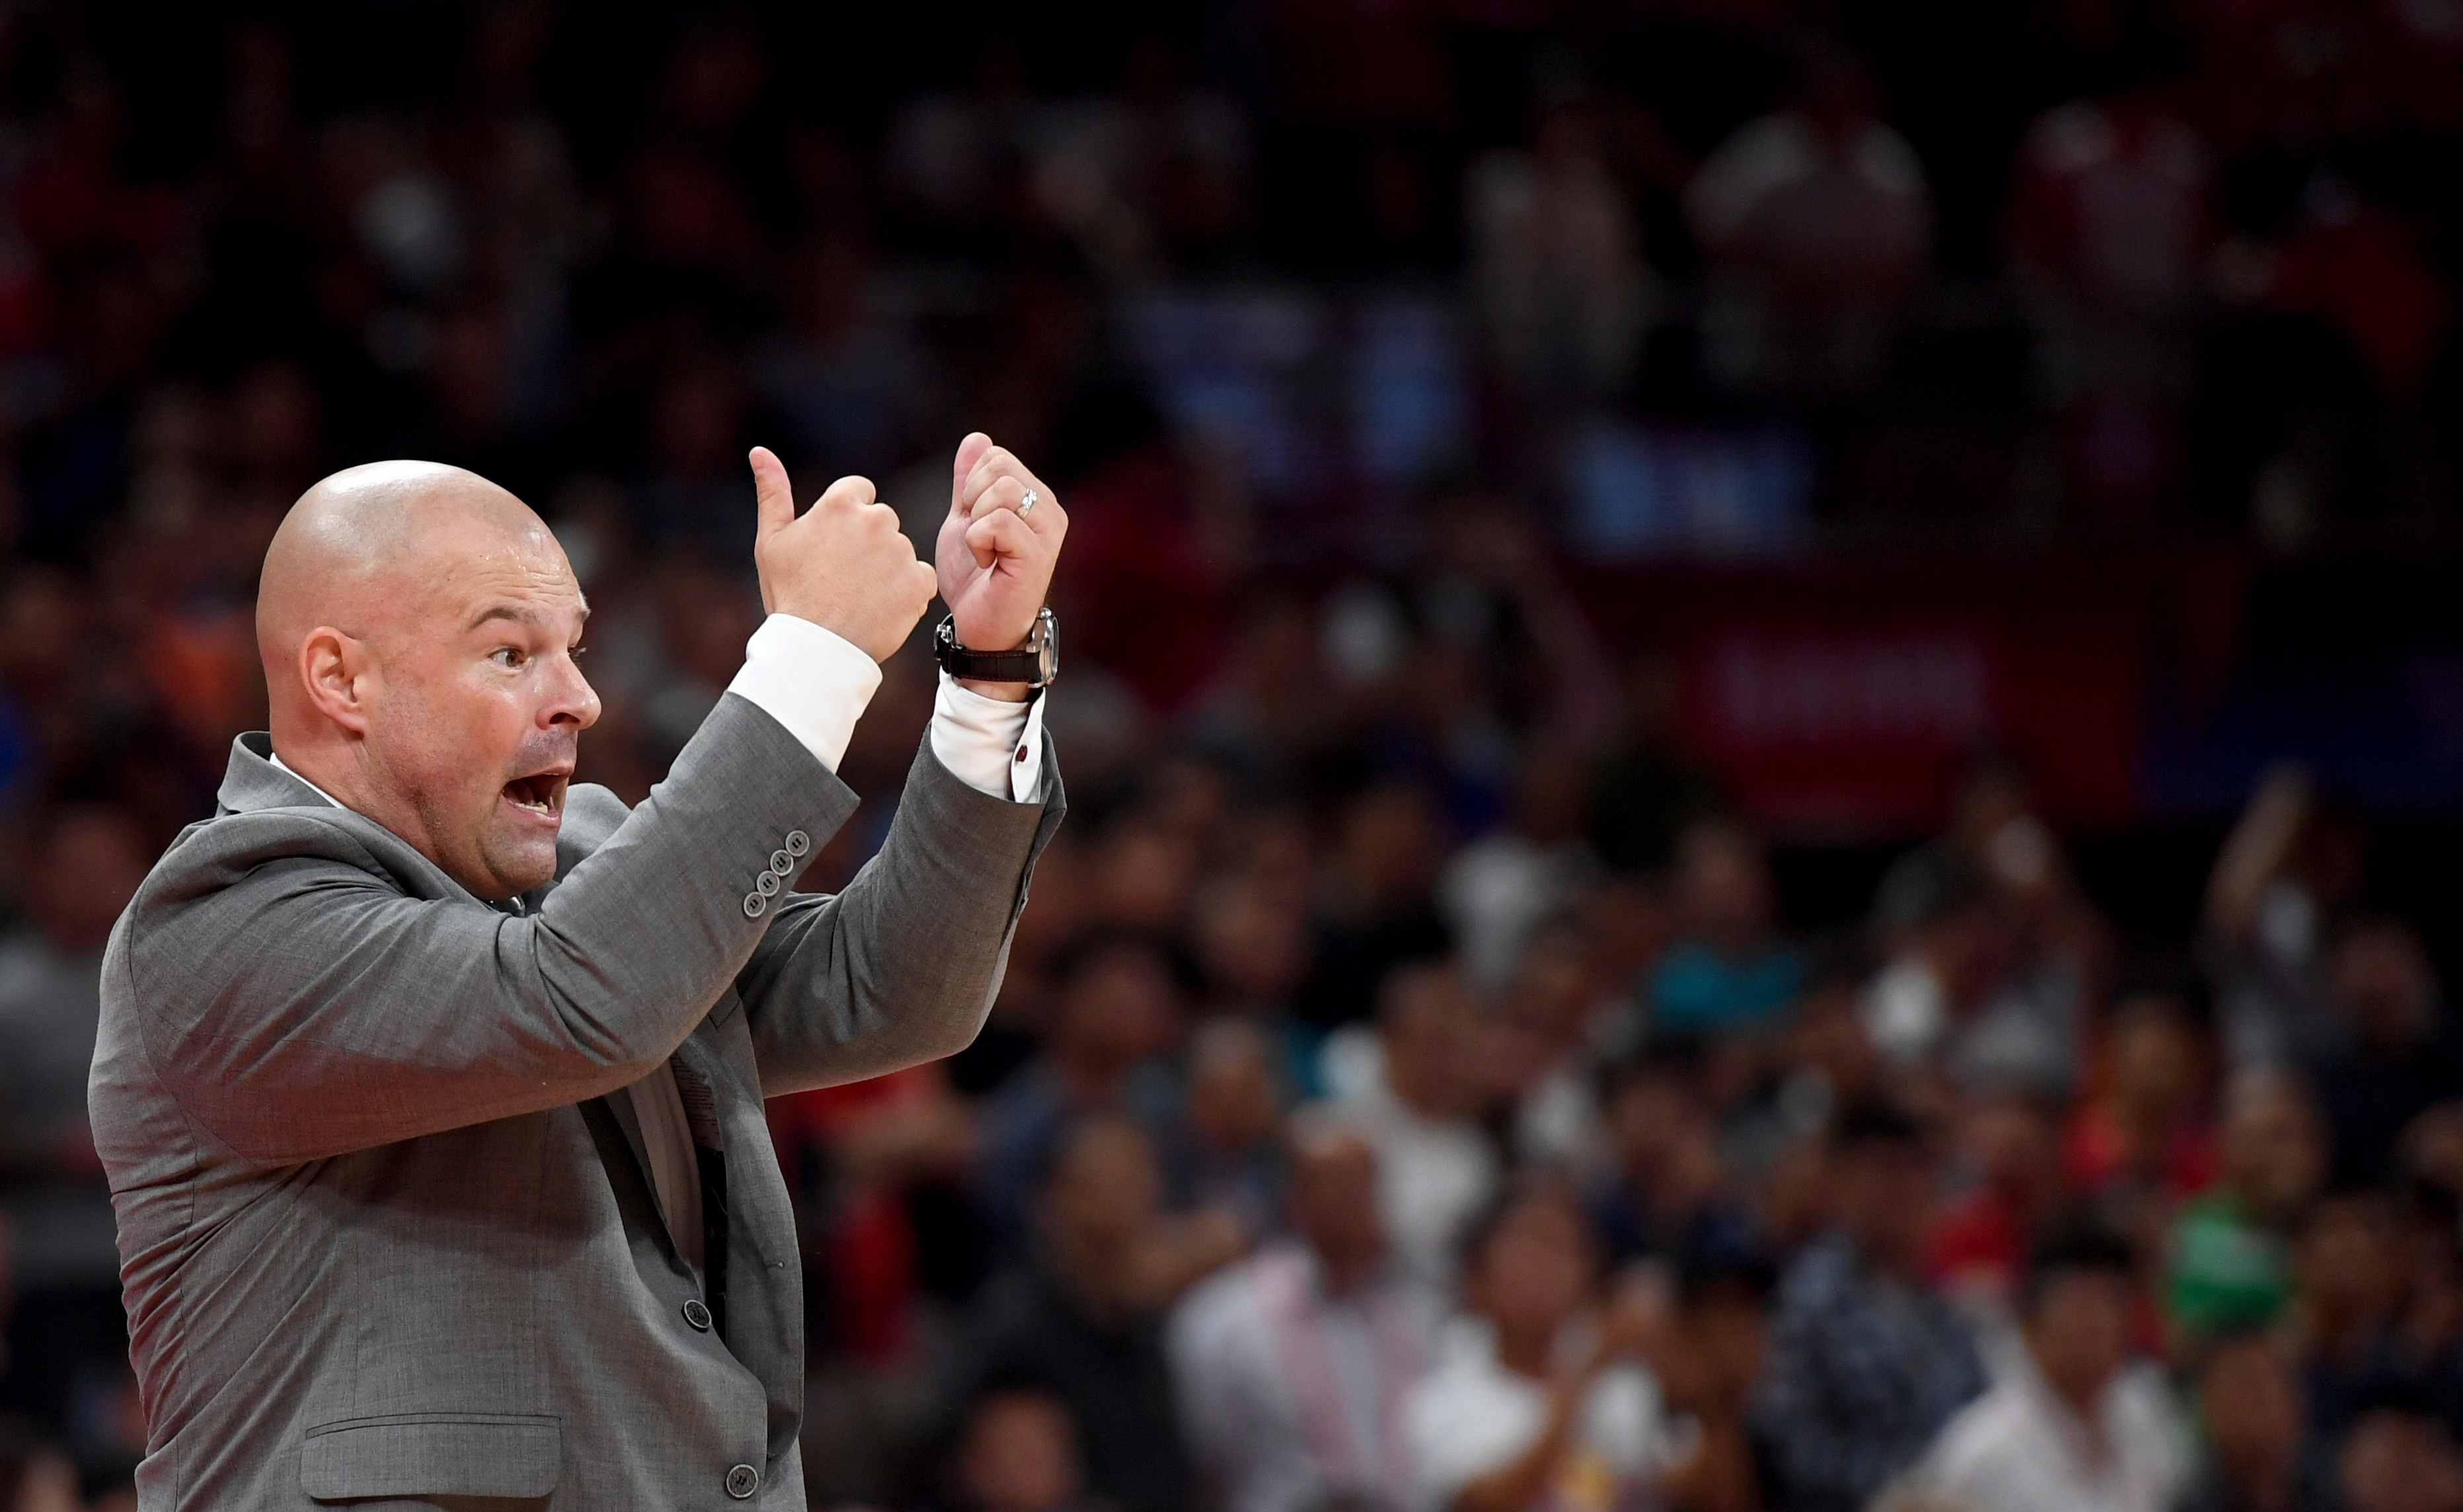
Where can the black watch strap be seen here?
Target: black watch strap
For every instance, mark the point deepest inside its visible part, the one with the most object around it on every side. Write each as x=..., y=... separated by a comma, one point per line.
x=1035, y=663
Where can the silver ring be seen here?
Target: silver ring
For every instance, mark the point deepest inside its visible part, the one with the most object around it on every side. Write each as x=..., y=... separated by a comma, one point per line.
x=1025, y=505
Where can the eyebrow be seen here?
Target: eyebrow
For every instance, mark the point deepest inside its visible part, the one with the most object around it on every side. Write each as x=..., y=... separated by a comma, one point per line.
x=519, y=614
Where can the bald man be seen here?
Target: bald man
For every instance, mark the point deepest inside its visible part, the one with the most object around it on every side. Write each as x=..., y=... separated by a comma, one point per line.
x=430, y=1085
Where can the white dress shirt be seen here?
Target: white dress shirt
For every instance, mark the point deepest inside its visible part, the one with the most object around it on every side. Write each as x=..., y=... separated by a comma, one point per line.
x=816, y=683
x=1291, y=1393
x=1471, y=1415
x=2020, y=1448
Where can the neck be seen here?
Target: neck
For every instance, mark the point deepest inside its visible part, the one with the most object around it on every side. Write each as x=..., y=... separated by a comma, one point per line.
x=2260, y=1478
x=1896, y=1261
x=322, y=763
x=1343, y=1274
x=1095, y=1271
x=1524, y=1351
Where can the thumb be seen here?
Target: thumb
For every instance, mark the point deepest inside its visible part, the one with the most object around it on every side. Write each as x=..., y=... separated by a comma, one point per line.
x=970, y=451
x=774, y=497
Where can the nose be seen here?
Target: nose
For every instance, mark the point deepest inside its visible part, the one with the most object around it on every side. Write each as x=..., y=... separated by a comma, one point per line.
x=570, y=700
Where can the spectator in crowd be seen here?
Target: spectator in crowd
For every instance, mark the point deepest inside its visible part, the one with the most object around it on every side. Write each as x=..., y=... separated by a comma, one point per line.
x=2146, y=1141
x=2256, y=1452
x=2399, y=1458
x=34, y=1477
x=1866, y=1363
x=1291, y=1367
x=1522, y=1412
x=1082, y=1320
x=1644, y=789
x=1018, y=1453
x=2284, y=871
x=1114, y=1013
x=1436, y=1168
x=1727, y=972
x=1824, y=208
x=2076, y=1429
x=1500, y=889
x=1224, y=1153
x=2226, y=1261
x=1994, y=960
x=1709, y=1366
x=2389, y=1053
x=1980, y=1247
x=67, y=1343
x=1668, y=1194
x=2347, y=1267
x=1374, y=910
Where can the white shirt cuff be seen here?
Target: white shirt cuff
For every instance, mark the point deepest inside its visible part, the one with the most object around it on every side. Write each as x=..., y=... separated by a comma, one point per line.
x=813, y=680
x=991, y=744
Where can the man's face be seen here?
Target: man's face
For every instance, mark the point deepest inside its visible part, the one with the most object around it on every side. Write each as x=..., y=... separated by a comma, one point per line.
x=477, y=707
x=2271, y=1150
x=1882, y=1194
x=2078, y=1331
x=2249, y=1401
x=1334, y=1200
x=1534, y=1270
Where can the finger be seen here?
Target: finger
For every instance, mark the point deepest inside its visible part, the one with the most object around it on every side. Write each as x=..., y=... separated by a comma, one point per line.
x=927, y=585
x=970, y=452
x=848, y=492
x=774, y=497
x=1010, y=493
x=1001, y=533
x=996, y=462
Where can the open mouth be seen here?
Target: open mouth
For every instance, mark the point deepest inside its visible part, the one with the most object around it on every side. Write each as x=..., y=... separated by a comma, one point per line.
x=541, y=793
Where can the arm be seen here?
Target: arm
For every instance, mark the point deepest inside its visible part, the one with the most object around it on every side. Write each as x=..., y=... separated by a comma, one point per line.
x=2260, y=846
x=302, y=1000
x=1514, y=1486
x=903, y=965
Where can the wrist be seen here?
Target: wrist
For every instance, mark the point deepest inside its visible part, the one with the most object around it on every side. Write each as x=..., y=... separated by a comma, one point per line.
x=1006, y=692
x=1009, y=673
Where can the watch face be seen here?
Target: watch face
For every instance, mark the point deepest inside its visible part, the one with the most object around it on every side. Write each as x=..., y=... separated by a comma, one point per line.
x=1047, y=658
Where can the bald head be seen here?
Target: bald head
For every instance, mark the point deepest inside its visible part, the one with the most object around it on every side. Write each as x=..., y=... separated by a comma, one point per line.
x=417, y=625
x=354, y=542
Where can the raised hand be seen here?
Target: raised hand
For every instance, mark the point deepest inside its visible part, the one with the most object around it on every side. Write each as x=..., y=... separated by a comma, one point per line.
x=995, y=563
x=844, y=566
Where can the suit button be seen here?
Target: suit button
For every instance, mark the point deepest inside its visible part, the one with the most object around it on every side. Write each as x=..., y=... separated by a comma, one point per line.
x=755, y=905
x=768, y=884
x=798, y=842
x=742, y=1482
x=783, y=863
x=697, y=1315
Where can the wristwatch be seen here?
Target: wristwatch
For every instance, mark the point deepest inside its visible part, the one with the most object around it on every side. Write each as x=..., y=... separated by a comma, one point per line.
x=1036, y=663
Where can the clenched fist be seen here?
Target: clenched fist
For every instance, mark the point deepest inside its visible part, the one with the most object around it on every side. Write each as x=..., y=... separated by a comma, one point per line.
x=843, y=565
x=996, y=550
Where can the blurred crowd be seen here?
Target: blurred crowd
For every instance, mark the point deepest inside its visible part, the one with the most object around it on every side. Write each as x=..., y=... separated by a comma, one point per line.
x=1407, y=1093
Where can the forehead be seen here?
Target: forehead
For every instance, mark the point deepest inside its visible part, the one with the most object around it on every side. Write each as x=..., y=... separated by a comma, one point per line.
x=467, y=571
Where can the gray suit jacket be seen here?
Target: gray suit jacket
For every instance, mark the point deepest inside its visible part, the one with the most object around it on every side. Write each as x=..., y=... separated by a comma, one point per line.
x=386, y=1239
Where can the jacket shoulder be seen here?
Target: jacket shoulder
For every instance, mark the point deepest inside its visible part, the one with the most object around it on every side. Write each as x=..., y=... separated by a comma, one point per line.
x=217, y=853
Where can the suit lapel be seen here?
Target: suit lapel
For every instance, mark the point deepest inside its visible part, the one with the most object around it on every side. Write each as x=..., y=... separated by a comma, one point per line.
x=619, y=1107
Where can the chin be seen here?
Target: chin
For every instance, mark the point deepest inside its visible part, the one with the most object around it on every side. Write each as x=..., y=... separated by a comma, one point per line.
x=516, y=869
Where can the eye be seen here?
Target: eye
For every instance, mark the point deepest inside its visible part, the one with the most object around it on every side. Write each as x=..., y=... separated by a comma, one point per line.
x=506, y=656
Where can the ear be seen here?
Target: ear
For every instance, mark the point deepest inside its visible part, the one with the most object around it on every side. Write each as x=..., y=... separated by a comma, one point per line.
x=334, y=669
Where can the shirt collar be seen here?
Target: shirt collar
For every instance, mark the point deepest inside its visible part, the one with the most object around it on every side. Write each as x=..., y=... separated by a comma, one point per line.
x=275, y=757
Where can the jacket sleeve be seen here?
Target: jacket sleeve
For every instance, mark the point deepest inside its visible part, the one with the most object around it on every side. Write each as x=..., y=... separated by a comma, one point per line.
x=302, y=1000
x=902, y=966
